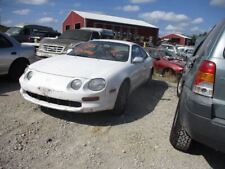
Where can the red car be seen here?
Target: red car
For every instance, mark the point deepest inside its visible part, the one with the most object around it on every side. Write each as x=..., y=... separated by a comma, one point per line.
x=167, y=62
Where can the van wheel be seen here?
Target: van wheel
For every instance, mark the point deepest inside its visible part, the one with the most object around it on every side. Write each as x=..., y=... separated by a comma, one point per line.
x=17, y=69
x=122, y=97
x=178, y=136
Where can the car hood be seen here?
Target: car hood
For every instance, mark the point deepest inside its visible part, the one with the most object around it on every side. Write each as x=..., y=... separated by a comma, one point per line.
x=62, y=42
x=73, y=66
x=174, y=61
x=178, y=62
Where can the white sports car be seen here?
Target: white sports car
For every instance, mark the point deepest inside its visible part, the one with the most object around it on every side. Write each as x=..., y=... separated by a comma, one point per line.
x=95, y=76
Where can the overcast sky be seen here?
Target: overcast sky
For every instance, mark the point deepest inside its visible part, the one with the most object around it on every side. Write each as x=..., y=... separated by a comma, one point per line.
x=182, y=16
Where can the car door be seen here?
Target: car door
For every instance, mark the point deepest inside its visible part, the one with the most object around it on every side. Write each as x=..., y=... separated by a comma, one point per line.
x=7, y=51
x=137, y=68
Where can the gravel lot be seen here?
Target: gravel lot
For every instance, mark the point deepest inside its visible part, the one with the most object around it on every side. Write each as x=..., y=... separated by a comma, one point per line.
x=34, y=137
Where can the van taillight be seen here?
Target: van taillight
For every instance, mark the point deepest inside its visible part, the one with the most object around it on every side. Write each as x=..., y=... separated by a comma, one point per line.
x=205, y=78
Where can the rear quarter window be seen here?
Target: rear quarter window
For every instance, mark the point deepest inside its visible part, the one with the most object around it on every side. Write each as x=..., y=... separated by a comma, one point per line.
x=208, y=44
x=5, y=43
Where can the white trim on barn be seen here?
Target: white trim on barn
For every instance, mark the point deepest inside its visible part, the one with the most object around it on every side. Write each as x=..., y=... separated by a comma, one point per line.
x=108, y=18
x=182, y=36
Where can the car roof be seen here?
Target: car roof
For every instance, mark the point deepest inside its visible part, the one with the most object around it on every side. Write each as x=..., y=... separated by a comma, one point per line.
x=116, y=41
x=9, y=37
x=96, y=29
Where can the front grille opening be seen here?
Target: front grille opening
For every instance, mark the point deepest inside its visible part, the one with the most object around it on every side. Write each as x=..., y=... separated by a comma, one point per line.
x=54, y=101
x=53, y=48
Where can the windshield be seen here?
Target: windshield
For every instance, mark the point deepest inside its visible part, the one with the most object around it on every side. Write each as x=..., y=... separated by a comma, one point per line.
x=14, y=31
x=102, y=50
x=76, y=35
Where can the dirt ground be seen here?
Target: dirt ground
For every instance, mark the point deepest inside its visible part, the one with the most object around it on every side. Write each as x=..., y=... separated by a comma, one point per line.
x=38, y=138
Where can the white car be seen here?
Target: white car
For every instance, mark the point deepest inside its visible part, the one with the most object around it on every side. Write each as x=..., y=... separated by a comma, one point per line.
x=14, y=57
x=170, y=48
x=95, y=76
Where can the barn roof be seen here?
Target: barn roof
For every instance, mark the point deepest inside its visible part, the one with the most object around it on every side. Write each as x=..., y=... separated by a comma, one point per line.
x=116, y=19
x=177, y=34
x=183, y=36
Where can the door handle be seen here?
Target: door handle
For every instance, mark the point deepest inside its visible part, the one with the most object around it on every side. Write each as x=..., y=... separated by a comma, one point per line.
x=13, y=53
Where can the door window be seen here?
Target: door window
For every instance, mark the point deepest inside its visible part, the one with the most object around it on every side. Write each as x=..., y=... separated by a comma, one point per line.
x=5, y=43
x=144, y=54
x=95, y=35
x=136, y=52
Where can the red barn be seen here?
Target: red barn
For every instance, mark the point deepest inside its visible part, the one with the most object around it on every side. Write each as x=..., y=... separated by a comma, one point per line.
x=129, y=29
x=176, y=39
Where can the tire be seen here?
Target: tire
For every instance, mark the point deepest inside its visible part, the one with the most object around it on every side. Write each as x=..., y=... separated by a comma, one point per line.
x=179, y=138
x=121, y=100
x=148, y=82
x=179, y=86
x=17, y=69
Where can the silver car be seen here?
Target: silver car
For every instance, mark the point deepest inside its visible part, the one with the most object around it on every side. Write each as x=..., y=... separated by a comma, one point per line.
x=14, y=57
x=200, y=114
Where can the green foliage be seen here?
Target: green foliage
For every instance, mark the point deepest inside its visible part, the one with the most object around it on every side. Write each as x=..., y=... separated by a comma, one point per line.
x=3, y=28
x=194, y=37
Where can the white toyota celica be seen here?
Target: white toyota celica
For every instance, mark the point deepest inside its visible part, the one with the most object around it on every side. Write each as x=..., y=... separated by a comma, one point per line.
x=95, y=76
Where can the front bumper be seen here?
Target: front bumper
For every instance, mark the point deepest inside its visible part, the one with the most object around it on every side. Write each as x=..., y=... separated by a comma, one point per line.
x=197, y=118
x=55, y=93
x=42, y=54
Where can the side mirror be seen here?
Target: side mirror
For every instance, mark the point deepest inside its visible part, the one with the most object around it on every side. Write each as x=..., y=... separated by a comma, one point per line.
x=138, y=60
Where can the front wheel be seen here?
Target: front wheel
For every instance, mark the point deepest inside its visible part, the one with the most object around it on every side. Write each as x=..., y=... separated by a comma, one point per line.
x=17, y=69
x=179, y=138
x=122, y=98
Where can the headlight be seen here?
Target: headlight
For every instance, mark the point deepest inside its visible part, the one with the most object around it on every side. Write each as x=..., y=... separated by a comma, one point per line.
x=26, y=69
x=76, y=84
x=96, y=84
x=71, y=46
x=29, y=75
x=41, y=47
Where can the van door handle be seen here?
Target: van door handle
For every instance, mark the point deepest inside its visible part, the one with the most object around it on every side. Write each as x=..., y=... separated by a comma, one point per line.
x=13, y=53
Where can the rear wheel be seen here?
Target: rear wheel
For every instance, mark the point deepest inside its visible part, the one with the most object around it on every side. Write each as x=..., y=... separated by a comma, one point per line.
x=178, y=136
x=17, y=69
x=148, y=82
x=122, y=98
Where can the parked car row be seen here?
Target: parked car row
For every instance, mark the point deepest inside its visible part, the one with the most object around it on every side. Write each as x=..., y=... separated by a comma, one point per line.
x=167, y=62
x=185, y=51
x=169, y=47
x=97, y=75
